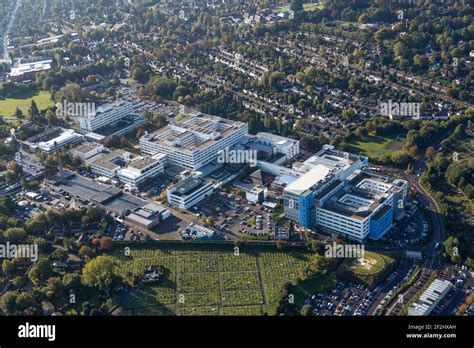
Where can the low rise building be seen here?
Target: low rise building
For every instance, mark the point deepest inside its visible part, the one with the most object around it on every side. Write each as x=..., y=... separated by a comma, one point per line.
x=286, y=146
x=28, y=71
x=87, y=152
x=148, y=216
x=44, y=142
x=131, y=169
x=109, y=164
x=87, y=191
x=189, y=192
x=257, y=194
x=430, y=298
x=142, y=169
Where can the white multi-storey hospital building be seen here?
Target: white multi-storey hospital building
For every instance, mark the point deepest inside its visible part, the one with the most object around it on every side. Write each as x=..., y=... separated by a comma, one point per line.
x=335, y=192
x=195, y=140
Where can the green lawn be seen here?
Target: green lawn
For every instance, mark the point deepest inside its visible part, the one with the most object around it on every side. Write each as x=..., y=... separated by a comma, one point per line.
x=311, y=286
x=375, y=146
x=252, y=221
x=306, y=7
x=9, y=105
x=375, y=264
x=210, y=279
x=372, y=275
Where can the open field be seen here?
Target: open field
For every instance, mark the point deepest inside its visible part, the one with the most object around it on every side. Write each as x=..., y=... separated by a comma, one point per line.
x=375, y=146
x=306, y=7
x=9, y=105
x=210, y=279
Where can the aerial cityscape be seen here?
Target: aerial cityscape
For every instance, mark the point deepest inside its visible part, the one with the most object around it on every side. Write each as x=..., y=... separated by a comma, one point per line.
x=236, y=158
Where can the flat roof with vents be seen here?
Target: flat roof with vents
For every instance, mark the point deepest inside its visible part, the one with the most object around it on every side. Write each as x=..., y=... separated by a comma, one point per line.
x=430, y=297
x=195, y=131
x=315, y=176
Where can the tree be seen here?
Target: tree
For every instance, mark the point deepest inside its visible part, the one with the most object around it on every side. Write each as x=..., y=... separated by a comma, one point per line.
x=54, y=288
x=15, y=168
x=72, y=93
x=400, y=49
x=280, y=244
x=310, y=143
x=400, y=157
x=452, y=249
x=106, y=243
x=59, y=254
x=209, y=221
x=139, y=133
x=99, y=273
x=15, y=234
x=71, y=281
x=275, y=78
x=361, y=132
x=6, y=205
x=349, y=115
x=85, y=251
x=161, y=86
x=41, y=271
x=18, y=113
x=298, y=124
x=24, y=301
x=8, y=267
x=430, y=153
x=33, y=112
x=421, y=61
x=50, y=167
x=413, y=151
x=306, y=310
x=296, y=5
x=43, y=245
x=19, y=281
x=8, y=303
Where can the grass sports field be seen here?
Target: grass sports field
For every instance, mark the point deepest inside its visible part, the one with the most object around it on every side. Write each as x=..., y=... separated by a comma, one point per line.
x=9, y=105
x=375, y=146
x=210, y=279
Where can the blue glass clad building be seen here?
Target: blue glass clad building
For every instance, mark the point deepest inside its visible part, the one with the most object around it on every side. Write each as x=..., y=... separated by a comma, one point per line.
x=381, y=222
x=306, y=211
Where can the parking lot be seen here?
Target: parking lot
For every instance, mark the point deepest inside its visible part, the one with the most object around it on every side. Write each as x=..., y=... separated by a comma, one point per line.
x=411, y=232
x=120, y=231
x=463, y=284
x=233, y=215
x=347, y=299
